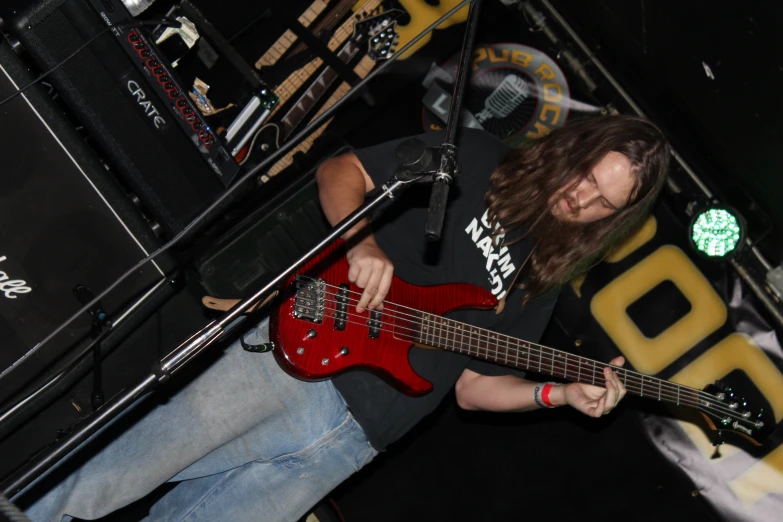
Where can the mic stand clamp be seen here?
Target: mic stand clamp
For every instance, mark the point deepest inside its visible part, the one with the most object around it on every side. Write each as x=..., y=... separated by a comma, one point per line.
x=437, y=166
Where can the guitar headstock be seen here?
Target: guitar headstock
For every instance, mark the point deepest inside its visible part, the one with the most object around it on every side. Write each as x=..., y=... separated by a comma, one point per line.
x=728, y=411
x=380, y=32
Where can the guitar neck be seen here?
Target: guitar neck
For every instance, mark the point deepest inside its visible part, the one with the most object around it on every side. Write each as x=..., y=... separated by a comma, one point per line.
x=307, y=101
x=288, y=38
x=446, y=334
x=286, y=90
x=362, y=69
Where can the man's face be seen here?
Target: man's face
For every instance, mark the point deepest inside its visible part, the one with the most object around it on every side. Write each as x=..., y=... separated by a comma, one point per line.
x=603, y=192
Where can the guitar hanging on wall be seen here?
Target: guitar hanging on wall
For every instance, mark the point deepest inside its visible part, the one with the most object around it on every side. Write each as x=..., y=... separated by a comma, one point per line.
x=352, y=27
x=377, y=34
x=317, y=334
x=381, y=39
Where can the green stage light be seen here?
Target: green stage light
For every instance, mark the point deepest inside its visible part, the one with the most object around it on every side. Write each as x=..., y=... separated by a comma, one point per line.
x=717, y=232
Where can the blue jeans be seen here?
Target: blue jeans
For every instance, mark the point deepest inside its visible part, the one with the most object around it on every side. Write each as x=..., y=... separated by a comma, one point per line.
x=244, y=441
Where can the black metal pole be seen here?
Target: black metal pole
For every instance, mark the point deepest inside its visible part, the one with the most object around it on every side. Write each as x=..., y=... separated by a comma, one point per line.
x=449, y=165
x=463, y=73
x=37, y=467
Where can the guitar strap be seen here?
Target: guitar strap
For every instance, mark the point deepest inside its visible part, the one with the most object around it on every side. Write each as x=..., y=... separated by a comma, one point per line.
x=502, y=301
x=224, y=305
x=317, y=46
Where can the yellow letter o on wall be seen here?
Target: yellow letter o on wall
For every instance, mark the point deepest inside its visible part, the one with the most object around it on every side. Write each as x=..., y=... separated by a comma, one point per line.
x=651, y=355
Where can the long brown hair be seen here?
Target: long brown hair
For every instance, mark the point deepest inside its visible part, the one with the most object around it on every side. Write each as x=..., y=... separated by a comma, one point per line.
x=522, y=186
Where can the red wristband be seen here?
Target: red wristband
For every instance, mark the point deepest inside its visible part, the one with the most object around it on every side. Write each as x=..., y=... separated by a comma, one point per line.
x=545, y=395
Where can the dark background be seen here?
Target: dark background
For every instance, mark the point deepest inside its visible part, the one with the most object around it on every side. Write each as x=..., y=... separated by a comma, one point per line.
x=728, y=128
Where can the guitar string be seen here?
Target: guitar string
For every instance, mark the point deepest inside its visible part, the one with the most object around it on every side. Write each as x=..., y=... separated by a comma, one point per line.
x=533, y=346
x=706, y=397
x=570, y=371
x=569, y=374
x=568, y=367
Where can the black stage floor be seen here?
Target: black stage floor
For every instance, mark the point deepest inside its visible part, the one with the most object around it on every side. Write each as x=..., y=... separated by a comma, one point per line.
x=547, y=465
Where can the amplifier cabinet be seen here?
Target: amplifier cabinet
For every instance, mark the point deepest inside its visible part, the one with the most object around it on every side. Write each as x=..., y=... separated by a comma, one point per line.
x=135, y=110
x=64, y=222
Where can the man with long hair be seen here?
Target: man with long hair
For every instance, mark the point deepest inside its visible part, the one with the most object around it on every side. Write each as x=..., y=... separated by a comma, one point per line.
x=244, y=441
x=550, y=209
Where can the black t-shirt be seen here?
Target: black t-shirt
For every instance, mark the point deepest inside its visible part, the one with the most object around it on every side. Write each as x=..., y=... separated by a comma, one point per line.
x=465, y=254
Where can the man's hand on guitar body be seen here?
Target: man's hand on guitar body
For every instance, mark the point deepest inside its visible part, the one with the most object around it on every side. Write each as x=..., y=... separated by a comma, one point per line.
x=342, y=184
x=370, y=270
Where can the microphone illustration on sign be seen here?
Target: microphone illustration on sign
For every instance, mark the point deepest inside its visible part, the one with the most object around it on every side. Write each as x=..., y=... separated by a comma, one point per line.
x=509, y=95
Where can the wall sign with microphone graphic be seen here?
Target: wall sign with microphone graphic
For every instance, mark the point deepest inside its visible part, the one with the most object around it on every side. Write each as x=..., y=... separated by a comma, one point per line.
x=515, y=92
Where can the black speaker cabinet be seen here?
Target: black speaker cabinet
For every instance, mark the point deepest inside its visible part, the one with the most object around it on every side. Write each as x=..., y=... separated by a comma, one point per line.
x=64, y=223
x=139, y=127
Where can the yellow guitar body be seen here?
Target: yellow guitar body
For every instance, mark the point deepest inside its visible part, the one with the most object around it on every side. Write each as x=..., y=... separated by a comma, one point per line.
x=422, y=15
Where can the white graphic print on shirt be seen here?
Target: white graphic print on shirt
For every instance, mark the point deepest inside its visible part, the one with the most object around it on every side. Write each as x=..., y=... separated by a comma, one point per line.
x=499, y=265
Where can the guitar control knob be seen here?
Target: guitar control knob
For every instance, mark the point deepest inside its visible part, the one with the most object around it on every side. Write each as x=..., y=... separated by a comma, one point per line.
x=311, y=333
x=344, y=350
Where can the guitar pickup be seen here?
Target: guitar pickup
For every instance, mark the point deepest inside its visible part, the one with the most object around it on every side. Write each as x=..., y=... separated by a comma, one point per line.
x=341, y=309
x=375, y=324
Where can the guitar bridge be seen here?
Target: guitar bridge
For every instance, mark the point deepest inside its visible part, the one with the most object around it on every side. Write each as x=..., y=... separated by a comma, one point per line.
x=309, y=300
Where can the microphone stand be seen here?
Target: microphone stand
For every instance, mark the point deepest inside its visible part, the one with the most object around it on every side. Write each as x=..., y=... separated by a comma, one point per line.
x=448, y=168
x=415, y=164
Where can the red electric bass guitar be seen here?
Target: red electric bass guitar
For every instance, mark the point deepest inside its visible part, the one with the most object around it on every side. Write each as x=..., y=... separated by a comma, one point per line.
x=317, y=334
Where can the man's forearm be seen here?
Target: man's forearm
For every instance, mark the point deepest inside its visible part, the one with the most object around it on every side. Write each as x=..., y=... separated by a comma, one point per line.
x=506, y=393
x=341, y=189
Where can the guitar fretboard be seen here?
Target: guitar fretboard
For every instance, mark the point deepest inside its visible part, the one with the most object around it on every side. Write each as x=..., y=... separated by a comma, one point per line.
x=288, y=38
x=447, y=334
x=362, y=69
x=286, y=90
x=297, y=113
